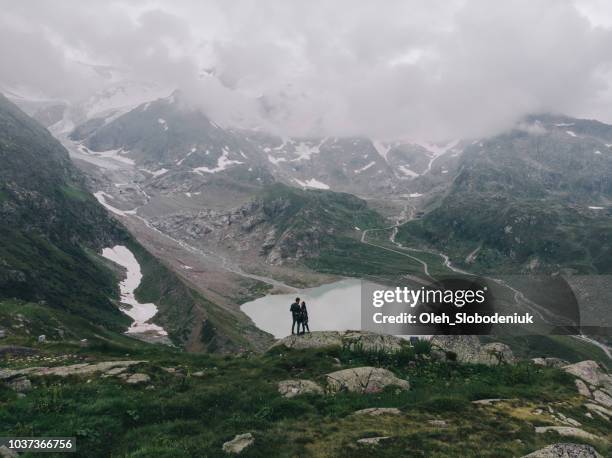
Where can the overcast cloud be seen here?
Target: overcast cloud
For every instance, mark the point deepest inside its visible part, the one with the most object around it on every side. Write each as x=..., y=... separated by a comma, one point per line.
x=395, y=69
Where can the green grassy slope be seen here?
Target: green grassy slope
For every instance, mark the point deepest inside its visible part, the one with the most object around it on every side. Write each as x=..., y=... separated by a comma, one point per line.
x=187, y=415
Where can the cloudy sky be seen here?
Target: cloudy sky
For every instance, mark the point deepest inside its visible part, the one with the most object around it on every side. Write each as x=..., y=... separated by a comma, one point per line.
x=394, y=69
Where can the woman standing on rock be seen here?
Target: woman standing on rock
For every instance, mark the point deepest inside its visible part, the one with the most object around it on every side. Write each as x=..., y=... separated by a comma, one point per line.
x=303, y=318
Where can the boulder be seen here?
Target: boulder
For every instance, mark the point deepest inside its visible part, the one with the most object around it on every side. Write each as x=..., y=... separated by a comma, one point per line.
x=292, y=388
x=468, y=349
x=64, y=371
x=566, y=450
x=372, y=440
x=602, y=398
x=567, y=431
x=6, y=452
x=363, y=380
x=137, y=379
x=376, y=411
x=438, y=423
x=497, y=353
x=491, y=401
x=369, y=341
x=583, y=389
x=354, y=340
x=238, y=443
x=550, y=362
x=599, y=410
x=20, y=385
x=591, y=373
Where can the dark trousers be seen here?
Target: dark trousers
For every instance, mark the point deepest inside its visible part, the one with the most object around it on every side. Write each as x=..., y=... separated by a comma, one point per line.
x=296, y=320
x=304, y=326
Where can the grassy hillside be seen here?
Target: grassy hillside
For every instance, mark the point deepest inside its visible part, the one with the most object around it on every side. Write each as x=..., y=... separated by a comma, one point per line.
x=194, y=403
x=51, y=229
x=49, y=226
x=325, y=228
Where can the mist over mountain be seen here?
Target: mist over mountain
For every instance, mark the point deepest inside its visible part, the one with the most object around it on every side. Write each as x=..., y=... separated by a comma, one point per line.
x=405, y=71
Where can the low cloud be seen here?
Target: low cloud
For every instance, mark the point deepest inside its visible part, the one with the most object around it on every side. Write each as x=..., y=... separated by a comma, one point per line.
x=398, y=69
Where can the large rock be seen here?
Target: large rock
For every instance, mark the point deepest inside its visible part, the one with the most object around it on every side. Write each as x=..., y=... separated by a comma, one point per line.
x=376, y=411
x=591, y=373
x=468, y=349
x=582, y=388
x=238, y=443
x=64, y=371
x=292, y=388
x=354, y=340
x=567, y=431
x=363, y=380
x=602, y=398
x=372, y=440
x=6, y=452
x=550, y=362
x=369, y=341
x=565, y=451
x=137, y=379
x=20, y=385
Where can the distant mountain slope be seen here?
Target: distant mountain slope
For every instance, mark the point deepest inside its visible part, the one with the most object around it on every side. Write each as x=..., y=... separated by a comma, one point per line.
x=50, y=226
x=51, y=230
x=537, y=199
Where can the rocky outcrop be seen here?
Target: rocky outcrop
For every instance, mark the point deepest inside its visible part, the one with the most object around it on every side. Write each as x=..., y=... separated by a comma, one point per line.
x=354, y=340
x=565, y=450
x=602, y=398
x=19, y=385
x=468, y=349
x=372, y=440
x=65, y=371
x=582, y=388
x=550, y=362
x=238, y=443
x=567, y=431
x=317, y=339
x=137, y=379
x=376, y=411
x=363, y=380
x=292, y=388
x=591, y=373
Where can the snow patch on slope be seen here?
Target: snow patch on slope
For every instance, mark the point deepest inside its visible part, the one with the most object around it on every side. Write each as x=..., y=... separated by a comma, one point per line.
x=222, y=163
x=363, y=169
x=140, y=313
x=312, y=183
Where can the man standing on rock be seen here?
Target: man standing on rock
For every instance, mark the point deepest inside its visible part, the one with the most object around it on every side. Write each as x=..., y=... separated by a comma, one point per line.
x=295, y=314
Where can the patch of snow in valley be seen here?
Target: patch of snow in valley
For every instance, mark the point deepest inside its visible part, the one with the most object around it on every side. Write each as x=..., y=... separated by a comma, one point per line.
x=597, y=152
x=312, y=183
x=363, y=169
x=570, y=133
x=595, y=208
x=140, y=313
x=155, y=173
x=381, y=148
x=415, y=194
x=222, y=163
x=163, y=123
x=406, y=171
x=276, y=160
x=305, y=152
x=114, y=154
x=564, y=124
